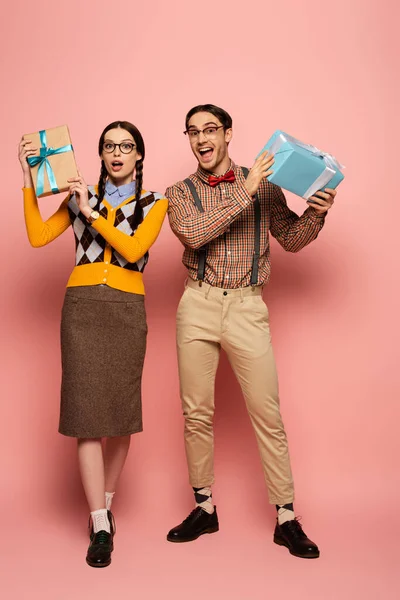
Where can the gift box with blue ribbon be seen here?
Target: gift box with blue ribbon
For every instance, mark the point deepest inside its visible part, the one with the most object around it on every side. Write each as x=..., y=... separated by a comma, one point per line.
x=301, y=168
x=55, y=162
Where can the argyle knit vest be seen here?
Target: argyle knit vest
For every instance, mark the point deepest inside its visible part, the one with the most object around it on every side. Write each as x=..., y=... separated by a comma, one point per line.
x=90, y=245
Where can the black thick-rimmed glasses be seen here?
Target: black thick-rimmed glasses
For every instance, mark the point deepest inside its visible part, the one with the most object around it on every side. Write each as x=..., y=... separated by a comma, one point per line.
x=124, y=147
x=208, y=132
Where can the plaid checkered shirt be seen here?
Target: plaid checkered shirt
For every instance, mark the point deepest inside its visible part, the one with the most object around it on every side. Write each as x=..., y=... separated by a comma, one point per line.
x=227, y=227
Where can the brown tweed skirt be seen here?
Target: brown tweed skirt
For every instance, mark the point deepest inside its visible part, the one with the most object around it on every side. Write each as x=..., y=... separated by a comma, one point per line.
x=103, y=344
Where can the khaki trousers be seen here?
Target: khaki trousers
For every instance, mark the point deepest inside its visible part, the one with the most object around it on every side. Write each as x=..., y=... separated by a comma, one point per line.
x=208, y=319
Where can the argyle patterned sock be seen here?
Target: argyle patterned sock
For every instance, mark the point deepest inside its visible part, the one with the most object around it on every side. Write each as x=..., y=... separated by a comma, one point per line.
x=203, y=498
x=285, y=513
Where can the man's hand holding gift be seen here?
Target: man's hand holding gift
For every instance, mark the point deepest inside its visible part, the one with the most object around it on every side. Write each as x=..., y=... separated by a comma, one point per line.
x=321, y=202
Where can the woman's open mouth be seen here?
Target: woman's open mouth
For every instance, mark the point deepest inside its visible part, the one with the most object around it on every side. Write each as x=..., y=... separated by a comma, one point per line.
x=116, y=165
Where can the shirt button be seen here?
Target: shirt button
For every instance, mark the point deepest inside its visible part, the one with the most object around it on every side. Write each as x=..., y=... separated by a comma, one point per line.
x=105, y=270
x=106, y=262
x=229, y=252
x=104, y=279
x=225, y=293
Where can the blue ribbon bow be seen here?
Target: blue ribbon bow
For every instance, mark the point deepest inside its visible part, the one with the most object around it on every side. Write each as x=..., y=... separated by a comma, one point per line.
x=43, y=162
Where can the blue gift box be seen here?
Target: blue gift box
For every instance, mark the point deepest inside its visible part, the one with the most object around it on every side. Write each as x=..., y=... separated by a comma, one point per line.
x=301, y=168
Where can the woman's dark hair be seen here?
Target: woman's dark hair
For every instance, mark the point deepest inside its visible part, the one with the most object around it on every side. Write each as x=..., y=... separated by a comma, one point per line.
x=221, y=114
x=137, y=136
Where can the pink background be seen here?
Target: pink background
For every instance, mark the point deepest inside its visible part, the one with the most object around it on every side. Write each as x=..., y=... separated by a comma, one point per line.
x=326, y=74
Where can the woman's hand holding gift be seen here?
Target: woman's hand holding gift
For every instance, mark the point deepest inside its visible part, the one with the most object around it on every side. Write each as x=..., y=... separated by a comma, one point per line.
x=80, y=189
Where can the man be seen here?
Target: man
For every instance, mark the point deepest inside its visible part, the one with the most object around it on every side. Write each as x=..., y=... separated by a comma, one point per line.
x=222, y=214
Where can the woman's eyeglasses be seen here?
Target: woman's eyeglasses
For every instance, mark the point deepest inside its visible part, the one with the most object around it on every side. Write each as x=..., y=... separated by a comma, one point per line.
x=124, y=147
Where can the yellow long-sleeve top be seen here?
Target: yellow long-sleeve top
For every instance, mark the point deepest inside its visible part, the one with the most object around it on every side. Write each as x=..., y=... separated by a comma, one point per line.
x=108, y=251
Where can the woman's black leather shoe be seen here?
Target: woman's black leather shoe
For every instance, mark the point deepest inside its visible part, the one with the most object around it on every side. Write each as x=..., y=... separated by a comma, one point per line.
x=100, y=548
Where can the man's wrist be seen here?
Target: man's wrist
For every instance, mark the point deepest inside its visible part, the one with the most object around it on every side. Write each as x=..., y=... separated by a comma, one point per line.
x=315, y=214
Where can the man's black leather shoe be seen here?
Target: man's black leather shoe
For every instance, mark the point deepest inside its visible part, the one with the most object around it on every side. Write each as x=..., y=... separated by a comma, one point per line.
x=100, y=548
x=196, y=524
x=291, y=535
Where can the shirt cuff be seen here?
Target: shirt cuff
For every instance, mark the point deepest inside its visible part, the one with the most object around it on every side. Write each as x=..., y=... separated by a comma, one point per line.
x=314, y=216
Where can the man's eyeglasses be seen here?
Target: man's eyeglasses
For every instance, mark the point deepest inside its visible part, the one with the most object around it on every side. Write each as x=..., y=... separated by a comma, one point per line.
x=208, y=132
x=124, y=147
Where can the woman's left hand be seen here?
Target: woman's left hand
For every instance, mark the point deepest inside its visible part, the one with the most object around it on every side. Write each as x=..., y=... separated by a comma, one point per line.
x=80, y=189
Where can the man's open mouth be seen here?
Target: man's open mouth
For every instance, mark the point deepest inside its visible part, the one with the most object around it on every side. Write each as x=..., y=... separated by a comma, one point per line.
x=206, y=153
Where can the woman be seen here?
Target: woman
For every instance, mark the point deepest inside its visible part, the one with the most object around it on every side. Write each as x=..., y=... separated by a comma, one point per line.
x=103, y=326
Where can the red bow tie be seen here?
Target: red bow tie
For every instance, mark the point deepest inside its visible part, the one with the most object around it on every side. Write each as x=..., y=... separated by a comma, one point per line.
x=229, y=176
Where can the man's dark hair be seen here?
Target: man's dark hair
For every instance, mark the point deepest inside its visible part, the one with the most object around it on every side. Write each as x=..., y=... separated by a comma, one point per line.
x=220, y=113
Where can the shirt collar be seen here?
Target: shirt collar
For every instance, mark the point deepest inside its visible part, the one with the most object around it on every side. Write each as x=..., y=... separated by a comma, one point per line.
x=128, y=189
x=204, y=175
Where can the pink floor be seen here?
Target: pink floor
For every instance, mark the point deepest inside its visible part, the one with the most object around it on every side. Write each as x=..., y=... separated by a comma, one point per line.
x=346, y=493
x=44, y=556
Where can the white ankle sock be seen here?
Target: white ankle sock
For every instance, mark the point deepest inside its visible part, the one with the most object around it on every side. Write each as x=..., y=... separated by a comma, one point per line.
x=109, y=499
x=285, y=513
x=203, y=498
x=100, y=520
